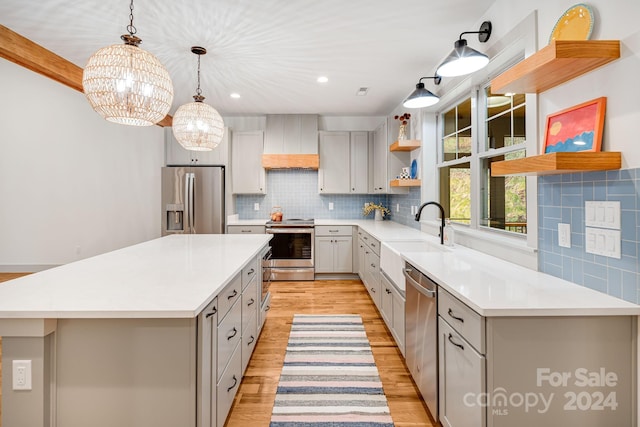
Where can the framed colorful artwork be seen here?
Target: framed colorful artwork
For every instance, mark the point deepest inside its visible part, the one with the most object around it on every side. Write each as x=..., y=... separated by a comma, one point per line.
x=578, y=128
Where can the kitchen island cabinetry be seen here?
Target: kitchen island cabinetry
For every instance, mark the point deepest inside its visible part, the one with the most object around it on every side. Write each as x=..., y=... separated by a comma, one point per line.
x=247, y=174
x=333, y=249
x=344, y=164
x=175, y=154
x=152, y=339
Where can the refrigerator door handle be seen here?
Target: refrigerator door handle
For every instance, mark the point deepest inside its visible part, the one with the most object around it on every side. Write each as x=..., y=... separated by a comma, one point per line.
x=192, y=203
x=187, y=196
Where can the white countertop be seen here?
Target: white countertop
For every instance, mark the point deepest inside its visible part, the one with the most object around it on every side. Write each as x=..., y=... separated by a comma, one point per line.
x=171, y=277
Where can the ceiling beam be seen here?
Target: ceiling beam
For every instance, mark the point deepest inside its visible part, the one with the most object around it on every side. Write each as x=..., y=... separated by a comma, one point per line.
x=24, y=52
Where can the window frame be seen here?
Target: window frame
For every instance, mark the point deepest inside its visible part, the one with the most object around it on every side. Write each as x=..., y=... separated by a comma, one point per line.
x=509, y=49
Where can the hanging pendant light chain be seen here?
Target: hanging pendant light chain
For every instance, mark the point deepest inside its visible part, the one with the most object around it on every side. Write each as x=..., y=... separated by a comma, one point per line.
x=131, y=28
x=199, y=91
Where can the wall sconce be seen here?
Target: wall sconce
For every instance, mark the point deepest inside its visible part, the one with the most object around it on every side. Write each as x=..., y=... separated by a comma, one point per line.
x=422, y=97
x=463, y=59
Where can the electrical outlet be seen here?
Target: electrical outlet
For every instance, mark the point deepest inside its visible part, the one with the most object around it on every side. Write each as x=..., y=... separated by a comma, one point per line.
x=22, y=374
x=330, y=206
x=256, y=206
x=564, y=235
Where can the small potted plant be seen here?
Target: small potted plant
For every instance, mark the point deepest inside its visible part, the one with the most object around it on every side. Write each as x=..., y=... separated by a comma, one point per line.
x=404, y=120
x=380, y=211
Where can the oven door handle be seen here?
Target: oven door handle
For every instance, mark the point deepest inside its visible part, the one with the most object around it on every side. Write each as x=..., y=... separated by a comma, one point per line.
x=288, y=230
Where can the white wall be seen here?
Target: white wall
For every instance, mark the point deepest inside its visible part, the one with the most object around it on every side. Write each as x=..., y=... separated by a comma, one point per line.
x=72, y=185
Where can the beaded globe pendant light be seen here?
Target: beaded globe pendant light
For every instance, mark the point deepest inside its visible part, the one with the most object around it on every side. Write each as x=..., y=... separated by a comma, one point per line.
x=196, y=125
x=126, y=84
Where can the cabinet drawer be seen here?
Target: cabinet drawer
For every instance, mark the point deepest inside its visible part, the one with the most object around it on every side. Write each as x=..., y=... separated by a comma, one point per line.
x=464, y=320
x=333, y=230
x=249, y=340
x=229, y=333
x=228, y=385
x=248, y=273
x=370, y=241
x=250, y=303
x=245, y=229
x=229, y=295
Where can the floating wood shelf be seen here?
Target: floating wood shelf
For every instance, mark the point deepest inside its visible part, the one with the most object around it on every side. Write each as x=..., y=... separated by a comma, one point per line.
x=557, y=163
x=405, y=183
x=405, y=145
x=557, y=63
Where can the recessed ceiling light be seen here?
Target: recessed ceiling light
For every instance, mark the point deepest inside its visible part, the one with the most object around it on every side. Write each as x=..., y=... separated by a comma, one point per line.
x=235, y=95
x=323, y=79
x=362, y=91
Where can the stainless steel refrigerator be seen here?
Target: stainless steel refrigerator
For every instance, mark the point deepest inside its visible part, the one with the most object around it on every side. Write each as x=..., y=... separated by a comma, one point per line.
x=193, y=200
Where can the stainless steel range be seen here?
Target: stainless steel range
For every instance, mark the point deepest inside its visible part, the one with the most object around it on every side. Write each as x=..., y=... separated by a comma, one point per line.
x=292, y=249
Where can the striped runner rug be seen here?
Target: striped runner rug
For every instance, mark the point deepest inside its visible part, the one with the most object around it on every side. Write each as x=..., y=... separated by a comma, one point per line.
x=329, y=377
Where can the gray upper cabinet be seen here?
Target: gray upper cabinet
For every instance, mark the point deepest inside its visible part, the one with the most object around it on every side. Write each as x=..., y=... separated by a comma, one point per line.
x=359, y=152
x=333, y=175
x=386, y=165
x=176, y=155
x=247, y=173
x=291, y=134
x=344, y=162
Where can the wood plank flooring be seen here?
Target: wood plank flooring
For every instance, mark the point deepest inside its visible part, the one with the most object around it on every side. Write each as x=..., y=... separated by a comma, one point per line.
x=254, y=401
x=3, y=278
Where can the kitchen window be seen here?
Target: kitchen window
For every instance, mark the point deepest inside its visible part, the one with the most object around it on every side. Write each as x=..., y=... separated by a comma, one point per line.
x=481, y=129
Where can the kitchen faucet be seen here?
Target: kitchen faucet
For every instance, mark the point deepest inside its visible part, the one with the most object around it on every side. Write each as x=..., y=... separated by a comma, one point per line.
x=441, y=217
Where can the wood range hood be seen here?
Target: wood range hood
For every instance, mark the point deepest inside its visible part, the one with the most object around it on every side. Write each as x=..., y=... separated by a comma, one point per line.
x=291, y=161
x=291, y=142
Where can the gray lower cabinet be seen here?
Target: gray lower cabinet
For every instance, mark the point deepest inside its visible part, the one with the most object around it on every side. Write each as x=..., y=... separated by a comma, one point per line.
x=207, y=365
x=245, y=229
x=369, y=265
x=535, y=371
x=392, y=310
x=333, y=249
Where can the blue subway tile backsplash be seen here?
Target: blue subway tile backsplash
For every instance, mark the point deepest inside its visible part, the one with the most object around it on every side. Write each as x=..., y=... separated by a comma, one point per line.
x=561, y=198
x=296, y=192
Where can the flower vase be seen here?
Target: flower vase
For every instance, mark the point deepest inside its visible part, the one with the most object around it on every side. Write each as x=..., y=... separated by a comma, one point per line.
x=402, y=133
x=378, y=215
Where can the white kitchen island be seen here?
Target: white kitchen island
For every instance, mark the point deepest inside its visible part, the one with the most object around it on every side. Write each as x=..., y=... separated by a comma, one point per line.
x=118, y=339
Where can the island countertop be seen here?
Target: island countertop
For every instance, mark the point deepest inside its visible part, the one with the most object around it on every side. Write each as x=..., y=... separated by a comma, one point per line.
x=170, y=277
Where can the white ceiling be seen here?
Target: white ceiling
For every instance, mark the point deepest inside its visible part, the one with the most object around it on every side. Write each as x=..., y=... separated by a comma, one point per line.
x=269, y=51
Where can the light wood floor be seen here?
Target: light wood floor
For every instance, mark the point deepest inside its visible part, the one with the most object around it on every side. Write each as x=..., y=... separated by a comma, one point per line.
x=254, y=401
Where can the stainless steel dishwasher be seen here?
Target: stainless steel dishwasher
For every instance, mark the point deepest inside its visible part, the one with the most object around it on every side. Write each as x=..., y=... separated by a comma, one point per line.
x=421, y=334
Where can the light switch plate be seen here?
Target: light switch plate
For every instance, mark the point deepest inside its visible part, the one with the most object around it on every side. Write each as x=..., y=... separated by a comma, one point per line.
x=330, y=206
x=603, y=242
x=602, y=214
x=564, y=235
x=256, y=206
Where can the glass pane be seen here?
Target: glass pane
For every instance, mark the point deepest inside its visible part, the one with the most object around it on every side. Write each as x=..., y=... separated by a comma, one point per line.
x=450, y=121
x=504, y=199
x=498, y=131
x=450, y=148
x=518, y=99
x=464, y=144
x=464, y=114
x=455, y=192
